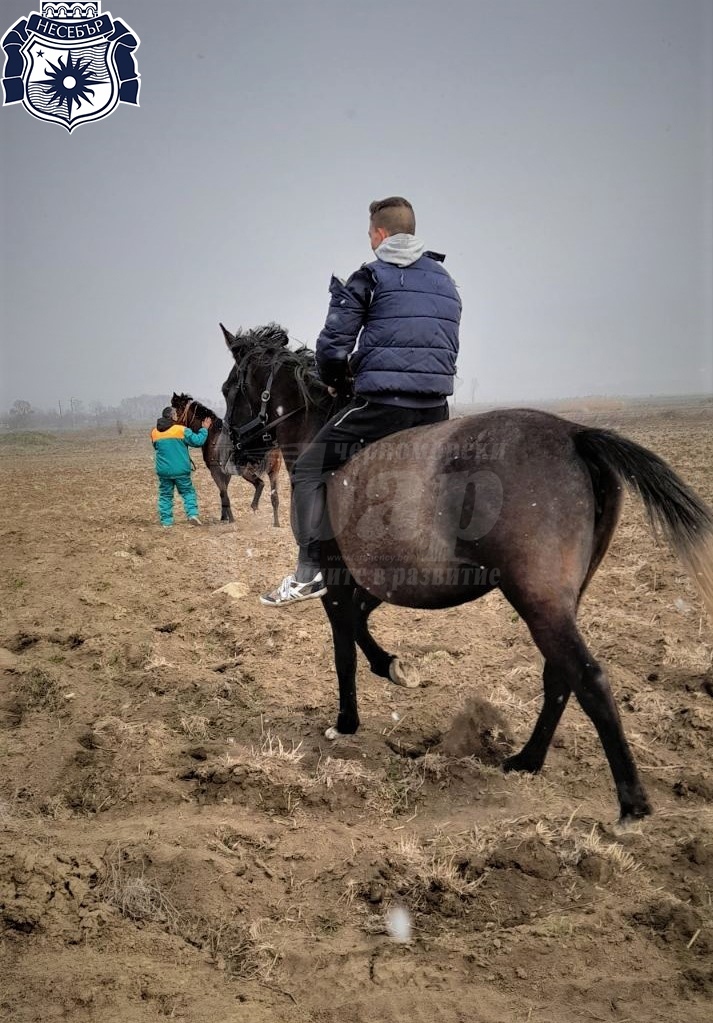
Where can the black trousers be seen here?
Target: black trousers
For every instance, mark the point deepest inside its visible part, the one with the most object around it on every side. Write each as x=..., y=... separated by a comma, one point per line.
x=357, y=425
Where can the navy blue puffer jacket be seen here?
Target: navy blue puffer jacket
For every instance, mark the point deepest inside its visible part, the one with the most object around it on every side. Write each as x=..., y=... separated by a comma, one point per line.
x=406, y=321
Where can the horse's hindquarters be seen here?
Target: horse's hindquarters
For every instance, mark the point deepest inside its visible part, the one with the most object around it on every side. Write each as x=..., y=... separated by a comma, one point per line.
x=439, y=515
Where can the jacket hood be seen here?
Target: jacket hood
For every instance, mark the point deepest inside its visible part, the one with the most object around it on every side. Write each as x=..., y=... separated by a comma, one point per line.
x=400, y=249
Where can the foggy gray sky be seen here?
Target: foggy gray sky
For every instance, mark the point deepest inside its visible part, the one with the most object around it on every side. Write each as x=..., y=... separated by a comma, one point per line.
x=560, y=152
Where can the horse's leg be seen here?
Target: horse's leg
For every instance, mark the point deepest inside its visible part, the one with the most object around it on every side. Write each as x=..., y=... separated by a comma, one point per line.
x=557, y=692
x=339, y=605
x=557, y=689
x=259, y=487
x=221, y=480
x=570, y=664
x=273, y=468
x=383, y=664
x=250, y=476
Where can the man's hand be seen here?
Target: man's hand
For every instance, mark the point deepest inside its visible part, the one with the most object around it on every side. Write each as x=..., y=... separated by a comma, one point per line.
x=333, y=391
x=207, y=423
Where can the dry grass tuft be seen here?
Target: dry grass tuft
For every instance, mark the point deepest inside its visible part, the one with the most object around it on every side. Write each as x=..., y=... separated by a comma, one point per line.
x=138, y=898
x=269, y=758
x=54, y=807
x=679, y=653
x=37, y=690
x=274, y=767
x=425, y=870
x=195, y=726
x=156, y=661
x=572, y=845
x=331, y=770
x=249, y=955
x=272, y=746
x=399, y=793
x=654, y=712
x=243, y=948
x=130, y=733
x=229, y=839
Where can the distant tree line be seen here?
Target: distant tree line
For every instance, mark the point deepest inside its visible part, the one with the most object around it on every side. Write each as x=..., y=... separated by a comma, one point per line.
x=74, y=414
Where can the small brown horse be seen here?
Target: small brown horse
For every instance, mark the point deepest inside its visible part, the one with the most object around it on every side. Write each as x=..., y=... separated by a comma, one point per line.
x=436, y=516
x=191, y=413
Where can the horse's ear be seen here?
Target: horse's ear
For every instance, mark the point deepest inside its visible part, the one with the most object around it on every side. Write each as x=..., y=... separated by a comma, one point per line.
x=229, y=338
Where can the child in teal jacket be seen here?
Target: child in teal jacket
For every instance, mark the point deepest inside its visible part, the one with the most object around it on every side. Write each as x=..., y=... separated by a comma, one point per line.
x=173, y=464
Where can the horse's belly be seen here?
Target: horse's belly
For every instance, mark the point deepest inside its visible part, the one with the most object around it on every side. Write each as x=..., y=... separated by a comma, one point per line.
x=412, y=538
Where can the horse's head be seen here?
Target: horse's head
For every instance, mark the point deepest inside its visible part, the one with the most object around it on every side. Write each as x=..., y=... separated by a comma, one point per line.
x=179, y=402
x=191, y=413
x=269, y=385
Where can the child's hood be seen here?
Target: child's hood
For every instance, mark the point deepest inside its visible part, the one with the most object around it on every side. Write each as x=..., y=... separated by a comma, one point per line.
x=400, y=249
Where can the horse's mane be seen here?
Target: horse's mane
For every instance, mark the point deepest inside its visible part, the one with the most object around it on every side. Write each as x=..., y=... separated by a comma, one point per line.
x=267, y=347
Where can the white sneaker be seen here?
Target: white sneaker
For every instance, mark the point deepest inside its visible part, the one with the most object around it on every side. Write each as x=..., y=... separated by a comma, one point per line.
x=290, y=591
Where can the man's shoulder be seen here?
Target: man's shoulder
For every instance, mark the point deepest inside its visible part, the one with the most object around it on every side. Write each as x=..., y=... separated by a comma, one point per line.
x=364, y=272
x=358, y=282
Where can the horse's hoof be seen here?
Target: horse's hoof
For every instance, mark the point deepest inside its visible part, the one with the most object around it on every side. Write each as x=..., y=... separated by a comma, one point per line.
x=631, y=818
x=333, y=733
x=521, y=765
x=400, y=676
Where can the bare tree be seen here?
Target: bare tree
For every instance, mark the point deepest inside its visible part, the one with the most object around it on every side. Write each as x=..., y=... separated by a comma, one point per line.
x=21, y=412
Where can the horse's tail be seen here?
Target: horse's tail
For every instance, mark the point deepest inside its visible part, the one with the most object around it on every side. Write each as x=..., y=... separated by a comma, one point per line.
x=672, y=506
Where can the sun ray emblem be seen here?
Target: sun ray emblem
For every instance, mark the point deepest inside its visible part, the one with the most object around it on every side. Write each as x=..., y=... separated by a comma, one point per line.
x=70, y=64
x=69, y=83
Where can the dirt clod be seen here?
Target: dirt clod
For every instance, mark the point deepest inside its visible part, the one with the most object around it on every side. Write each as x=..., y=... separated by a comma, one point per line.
x=531, y=857
x=481, y=731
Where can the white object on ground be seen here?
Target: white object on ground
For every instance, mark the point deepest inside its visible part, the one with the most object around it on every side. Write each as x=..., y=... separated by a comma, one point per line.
x=398, y=924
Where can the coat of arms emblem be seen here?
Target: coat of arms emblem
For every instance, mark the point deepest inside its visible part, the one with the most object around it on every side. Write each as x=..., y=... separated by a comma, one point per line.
x=70, y=63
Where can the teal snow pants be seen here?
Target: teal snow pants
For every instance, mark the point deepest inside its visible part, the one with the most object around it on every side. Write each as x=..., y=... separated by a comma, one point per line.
x=184, y=486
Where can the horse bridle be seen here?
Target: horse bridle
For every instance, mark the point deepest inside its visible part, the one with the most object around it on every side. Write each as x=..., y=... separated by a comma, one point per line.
x=243, y=436
x=182, y=417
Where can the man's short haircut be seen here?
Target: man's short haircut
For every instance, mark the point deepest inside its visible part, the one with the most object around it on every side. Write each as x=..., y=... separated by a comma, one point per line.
x=394, y=214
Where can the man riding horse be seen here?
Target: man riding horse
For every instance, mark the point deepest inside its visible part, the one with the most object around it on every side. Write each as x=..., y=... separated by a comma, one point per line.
x=404, y=310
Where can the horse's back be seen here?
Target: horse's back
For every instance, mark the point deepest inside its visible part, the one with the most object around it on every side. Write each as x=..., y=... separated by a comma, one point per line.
x=441, y=514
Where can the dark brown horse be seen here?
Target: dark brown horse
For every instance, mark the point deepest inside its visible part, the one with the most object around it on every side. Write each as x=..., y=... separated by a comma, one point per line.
x=191, y=413
x=515, y=499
